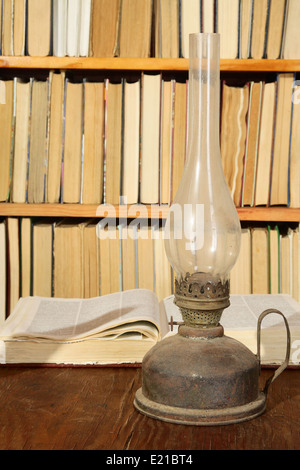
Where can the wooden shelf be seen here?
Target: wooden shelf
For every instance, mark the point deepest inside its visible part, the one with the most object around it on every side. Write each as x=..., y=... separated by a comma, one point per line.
x=147, y=64
x=258, y=214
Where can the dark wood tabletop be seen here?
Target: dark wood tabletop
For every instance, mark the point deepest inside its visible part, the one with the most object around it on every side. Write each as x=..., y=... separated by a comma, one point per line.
x=92, y=408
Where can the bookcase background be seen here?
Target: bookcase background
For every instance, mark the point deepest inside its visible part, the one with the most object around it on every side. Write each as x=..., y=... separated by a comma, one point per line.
x=270, y=255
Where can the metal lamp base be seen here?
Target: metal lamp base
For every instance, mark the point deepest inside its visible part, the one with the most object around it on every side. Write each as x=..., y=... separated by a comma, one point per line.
x=200, y=377
x=196, y=417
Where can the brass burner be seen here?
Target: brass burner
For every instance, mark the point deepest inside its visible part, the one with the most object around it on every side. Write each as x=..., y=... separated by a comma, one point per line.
x=201, y=299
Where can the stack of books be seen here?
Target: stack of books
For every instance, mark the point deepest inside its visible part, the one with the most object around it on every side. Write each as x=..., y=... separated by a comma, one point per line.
x=260, y=142
x=160, y=28
x=73, y=258
x=92, y=142
x=79, y=258
x=269, y=261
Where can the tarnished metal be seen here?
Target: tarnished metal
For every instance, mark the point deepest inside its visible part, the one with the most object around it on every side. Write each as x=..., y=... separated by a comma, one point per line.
x=201, y=299
x=198, y=374
x=198, y=417
x=288, y=345
x=202, y=377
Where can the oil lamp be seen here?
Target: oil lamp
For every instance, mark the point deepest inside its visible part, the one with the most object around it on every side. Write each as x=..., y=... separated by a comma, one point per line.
x=200, y=376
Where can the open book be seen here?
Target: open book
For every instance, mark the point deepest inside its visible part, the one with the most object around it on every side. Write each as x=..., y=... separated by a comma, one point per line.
x=120, y=328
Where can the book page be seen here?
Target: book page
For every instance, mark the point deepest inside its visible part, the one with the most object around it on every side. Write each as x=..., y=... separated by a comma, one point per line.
x=244, y=311
x=71, y=319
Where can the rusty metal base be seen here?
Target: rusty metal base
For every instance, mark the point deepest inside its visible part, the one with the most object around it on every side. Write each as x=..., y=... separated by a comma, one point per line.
x=197, y=417
x=199, y=376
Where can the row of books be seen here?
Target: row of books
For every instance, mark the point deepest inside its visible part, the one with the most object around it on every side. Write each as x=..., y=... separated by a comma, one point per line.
x=269, y=261
x=85, y=259
x=249, y=29
x=79, y=259
x=108, y=28
x=83, y=142
x=98, y=28
x=260, y=144
x=92, y=142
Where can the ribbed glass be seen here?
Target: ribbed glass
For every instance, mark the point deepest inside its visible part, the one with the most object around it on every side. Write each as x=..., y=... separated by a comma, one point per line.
x=203, y=229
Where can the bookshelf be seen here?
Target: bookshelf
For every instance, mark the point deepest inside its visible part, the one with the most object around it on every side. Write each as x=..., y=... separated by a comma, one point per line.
x=233, y=66
x=249, y=214
x=145, y=64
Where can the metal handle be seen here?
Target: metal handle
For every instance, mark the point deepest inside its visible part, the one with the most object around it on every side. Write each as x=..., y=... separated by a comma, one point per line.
x=288, y=346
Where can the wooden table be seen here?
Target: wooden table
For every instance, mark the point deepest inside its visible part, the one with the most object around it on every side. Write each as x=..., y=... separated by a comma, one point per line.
x=92, y=408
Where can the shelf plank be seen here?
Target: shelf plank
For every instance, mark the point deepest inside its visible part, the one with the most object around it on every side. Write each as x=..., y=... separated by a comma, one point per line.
x=269, y=214
x=83, y=210
x=257, y=214
x=150, y=64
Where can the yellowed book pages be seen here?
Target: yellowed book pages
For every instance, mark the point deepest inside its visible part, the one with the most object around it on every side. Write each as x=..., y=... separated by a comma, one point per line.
x=135, y=28
x=150, y=139
x=275, y=32
x=25, y=255
x=110, y=263
x=246, y=19
x=60, y=23
x=19, y=180
x=6, y=123
x=93, y=154
x=72, y=145
x=131, y=142
x=117, y=329
x=105, y=272
x=259, y=22
x=145, y=259
x=113, y=143
x=19, y=27
x=39, y=27
x=42, y=259
x=13, y=262
x=280, y=164
x=294, y=152
x=253, y=124
x=228, y=19
x=55, y=139
x=285, y=263
x=208, y=16
x=84, y=334
x=190, y=23
x=3, y=274
x=167, y=28
x=129, y=280
x=235, y=102
x=166, y=140
x=265, y=144
x=91, y=261
x=87, y=352
x=85, y=28
x=179, y=135
x=105, y=18
x=7, y=27
x=240, y=275
x=260, y=261
x=291, y=45
x=162, y=267
x=68, y=259
x=115, y=264
x=274, y=261
x=38, y=142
